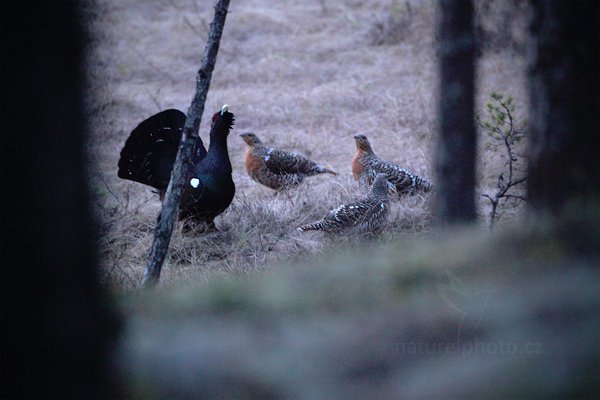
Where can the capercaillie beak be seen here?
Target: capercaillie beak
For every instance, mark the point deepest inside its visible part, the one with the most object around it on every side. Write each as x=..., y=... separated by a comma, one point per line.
x=391, y=187
x=224, y=109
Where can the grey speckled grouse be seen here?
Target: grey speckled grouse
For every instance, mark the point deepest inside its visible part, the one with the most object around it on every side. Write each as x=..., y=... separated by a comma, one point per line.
x=367, y=215
x=366, y=164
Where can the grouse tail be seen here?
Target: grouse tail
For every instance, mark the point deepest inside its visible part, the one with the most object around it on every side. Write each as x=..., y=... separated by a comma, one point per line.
x=325, y=170
x=315, y=226
x=422, y=183
x=149, y=152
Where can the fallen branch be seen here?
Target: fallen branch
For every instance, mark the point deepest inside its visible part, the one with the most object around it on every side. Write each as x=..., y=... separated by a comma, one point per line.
x=170, y=208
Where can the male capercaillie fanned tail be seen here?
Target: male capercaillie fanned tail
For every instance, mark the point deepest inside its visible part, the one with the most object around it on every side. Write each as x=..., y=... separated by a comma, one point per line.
x=149, y=154
x=150, y=150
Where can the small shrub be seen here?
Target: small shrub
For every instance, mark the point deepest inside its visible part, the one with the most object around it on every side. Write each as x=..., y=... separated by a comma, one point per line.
x=501, y=128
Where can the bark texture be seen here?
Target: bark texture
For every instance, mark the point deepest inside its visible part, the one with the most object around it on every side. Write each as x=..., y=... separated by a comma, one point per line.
x=56, y=325
x=456, y=151
x=564, y=86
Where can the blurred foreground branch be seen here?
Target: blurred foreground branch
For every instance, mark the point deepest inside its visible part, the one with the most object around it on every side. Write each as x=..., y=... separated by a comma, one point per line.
x=170, y=208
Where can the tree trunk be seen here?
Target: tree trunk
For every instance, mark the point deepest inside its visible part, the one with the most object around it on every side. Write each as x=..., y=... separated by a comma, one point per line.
x=57, y=327
x=564, y=84
x=455, y=195
x=170, y=208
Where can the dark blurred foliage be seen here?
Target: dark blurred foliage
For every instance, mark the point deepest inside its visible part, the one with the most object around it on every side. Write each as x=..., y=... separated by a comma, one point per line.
x=564, y=89
x=56, y=327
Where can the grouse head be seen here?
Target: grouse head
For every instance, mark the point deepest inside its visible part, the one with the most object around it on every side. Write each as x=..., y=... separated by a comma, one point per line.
x=381, y=186
x=222, y=121
x=251, y=139
x=362, y=143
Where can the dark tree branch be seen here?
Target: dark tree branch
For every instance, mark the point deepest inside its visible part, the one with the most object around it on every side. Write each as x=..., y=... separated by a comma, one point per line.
x=170, y=208
x=514, y=196
x=520, y=180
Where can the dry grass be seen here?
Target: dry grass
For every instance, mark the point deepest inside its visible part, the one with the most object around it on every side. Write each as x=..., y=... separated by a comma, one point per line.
x=304, y=76
x=270, y=312
x=417, y=320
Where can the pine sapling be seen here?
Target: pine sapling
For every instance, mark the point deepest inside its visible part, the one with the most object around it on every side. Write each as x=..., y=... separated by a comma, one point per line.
x=501, y=127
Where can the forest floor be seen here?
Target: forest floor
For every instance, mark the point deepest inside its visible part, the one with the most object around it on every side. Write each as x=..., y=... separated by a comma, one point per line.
x=304, y=76
x=261, y=311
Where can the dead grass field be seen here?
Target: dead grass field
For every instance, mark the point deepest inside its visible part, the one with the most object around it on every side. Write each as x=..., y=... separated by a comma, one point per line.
x=302, y=75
